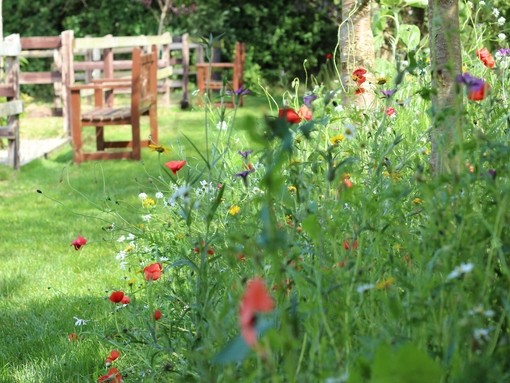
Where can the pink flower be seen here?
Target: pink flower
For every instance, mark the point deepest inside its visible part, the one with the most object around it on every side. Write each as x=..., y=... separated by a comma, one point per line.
x=485, y=57
x=305, y=112
x=391, y=112
x=125, y=300
x=79, y=242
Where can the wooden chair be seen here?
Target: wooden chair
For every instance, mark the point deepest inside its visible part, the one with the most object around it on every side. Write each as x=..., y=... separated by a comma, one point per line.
x=231, y=74
x=143, y=98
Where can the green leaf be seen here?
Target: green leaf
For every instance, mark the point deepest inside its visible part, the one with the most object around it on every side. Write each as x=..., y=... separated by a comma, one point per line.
x=311, y=225
x=406, y=365
x=237, y=350
x=410, y=35
x=215, y=204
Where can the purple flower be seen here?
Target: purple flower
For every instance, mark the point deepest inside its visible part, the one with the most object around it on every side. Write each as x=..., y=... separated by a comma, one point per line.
x=388, y=93
x=245, y=154
x=473, y=84
x=308, y=99
x=503, y=52
x=244, y=174
x=242, y=91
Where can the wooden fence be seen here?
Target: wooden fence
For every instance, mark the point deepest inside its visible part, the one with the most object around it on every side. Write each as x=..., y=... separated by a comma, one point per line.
x=82, y=59
x=10, y=110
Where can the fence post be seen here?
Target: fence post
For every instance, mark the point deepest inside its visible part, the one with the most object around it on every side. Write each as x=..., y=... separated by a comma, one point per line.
x=185, y=70
x=165, y=58
x=67, y=77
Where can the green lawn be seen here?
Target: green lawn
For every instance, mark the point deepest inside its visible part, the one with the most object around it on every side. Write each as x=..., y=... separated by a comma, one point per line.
x=44, y=282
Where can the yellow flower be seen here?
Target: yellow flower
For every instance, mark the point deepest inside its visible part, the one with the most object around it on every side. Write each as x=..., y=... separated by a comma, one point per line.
x=148, y=202
x=381, y=81
x=129, y=248
x=335, y=140
x=159, y=148
x=292, y=189
x=131, y=281
x=417, y=201
x=395, y=176
x=234, y=210
x=385, y=283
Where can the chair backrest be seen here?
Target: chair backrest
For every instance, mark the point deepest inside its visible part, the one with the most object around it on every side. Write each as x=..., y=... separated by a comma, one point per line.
x=239, y=57
x=144, y=80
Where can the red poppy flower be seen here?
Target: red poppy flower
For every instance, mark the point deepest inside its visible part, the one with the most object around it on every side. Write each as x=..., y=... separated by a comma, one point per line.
x=305, y=112
x=255, y=299
x=478, y=94
x=153, y=272
x=116, y=296
x=290, y=115
x=72, y=337
x=125, y=300
x=113, y=375
x=329, y=56
x=175, y=166
x=114, y=354
x=390, y=111
x=485, y=57
x=359, y=75
x=79, y=242
x=157, y=314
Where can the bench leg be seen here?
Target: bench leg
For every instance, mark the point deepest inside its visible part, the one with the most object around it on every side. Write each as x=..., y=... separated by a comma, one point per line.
x=100, y=138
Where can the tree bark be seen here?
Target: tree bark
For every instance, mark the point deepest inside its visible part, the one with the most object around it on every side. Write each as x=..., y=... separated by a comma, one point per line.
x=356, y=46
x=446, y=62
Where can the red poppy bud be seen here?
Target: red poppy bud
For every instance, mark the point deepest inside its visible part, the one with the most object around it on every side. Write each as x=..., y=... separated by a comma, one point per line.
x=157, y=315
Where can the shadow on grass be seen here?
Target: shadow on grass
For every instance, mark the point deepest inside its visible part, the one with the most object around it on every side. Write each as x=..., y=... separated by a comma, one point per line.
x=35, y=345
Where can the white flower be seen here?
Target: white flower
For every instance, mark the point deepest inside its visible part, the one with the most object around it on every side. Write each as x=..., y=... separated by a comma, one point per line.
x=121, y=255
x=122, y=238
x=146, y=217
x=349, y=131
x=365, y=287
x=502, y=37
x=470, y=4
x=501, y=21
x=182, y=192
x=222, y=125
x=495, y=12
x=460, y=270
x=481, y=334
x=481, y=3
x=80, y=322
x=339, y=108
x=159, y=195
x=480, y=310
x=142, y=196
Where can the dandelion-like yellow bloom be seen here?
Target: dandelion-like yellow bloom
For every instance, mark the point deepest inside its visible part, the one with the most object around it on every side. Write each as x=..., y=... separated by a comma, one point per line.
x=148, y=202
x=385, y=283
x=131, y=281
x=336, y=140
x=417, y=201
x=159, y=148
x=292, y=189
x=381, y=81
x=129, y=248
x=395, y=176
x=234, y=210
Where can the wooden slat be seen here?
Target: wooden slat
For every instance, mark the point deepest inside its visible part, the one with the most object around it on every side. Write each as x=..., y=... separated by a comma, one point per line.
x=11, y=108
x=120, y=42
x=6, y=132
x=7, y=91
x=10, y=46
x=41, y=42
x=40, y=77
x=165, y=72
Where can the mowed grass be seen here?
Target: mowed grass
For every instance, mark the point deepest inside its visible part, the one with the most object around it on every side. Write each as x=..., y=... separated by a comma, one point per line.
x=44, y=282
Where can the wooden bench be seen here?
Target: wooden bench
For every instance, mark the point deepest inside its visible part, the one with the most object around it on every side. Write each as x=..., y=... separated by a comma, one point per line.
x=143, y=101
x=230, y=73
x=10, y=110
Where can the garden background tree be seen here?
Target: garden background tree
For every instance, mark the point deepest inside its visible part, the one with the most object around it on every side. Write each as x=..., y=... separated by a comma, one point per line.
x=356, y=46
x=446, y=62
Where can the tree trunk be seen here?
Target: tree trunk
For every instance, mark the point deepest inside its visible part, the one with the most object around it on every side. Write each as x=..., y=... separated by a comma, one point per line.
x=356, y=46
x=446, y=61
